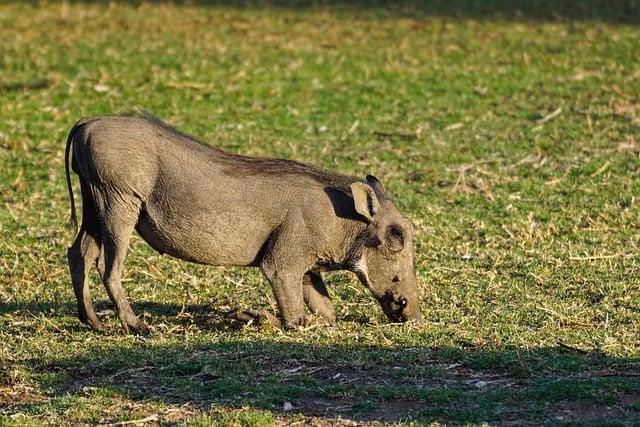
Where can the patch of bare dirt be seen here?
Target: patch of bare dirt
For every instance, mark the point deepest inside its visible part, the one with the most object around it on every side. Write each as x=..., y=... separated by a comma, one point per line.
x=343, y=408
x=628, y=399
x=394, y=410
x=583, y=411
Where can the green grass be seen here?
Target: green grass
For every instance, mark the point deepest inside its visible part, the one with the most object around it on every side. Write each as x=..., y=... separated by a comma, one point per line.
x=508, y=132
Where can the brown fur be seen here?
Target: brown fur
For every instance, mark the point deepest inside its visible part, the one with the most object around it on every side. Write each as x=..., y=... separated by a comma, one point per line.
x=201, y=204
x=236, y=164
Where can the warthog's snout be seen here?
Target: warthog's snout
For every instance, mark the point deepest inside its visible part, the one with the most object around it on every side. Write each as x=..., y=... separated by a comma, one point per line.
x=400, y=308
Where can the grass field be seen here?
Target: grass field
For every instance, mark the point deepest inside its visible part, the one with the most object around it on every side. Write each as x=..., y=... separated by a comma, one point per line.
x=509, y=133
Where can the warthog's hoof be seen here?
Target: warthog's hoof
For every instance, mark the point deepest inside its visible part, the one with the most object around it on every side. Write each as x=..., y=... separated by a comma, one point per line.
x=138, y=328
x=307, y=322
x=253, y=316
x=94, y=324
x=317, y=320
x=89, y=318
x=259, y=317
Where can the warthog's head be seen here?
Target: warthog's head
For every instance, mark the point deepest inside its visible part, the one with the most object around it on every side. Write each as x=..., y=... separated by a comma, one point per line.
x=387, y=261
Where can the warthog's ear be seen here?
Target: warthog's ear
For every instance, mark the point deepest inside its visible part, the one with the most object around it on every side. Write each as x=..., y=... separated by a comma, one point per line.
x=364, y=200
x=375, y=183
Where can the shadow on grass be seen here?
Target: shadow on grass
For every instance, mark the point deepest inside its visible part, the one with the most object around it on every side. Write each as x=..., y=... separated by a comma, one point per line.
x=357, y=382
x=205, y=316
x=615, y=11
x=360, y=383
x=70, y=308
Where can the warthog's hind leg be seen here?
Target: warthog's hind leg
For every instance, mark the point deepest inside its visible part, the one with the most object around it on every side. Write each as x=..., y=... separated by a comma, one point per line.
x=317, y=298
x=81, y=255
x=119, y=221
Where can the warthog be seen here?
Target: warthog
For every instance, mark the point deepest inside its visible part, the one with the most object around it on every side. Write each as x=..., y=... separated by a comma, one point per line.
x=201, y=204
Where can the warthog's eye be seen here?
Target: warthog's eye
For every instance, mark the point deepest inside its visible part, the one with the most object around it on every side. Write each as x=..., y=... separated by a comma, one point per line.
x=395, y=279
x=395, y=238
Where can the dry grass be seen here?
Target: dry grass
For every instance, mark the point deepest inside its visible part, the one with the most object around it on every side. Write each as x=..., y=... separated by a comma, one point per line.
x=511, y=141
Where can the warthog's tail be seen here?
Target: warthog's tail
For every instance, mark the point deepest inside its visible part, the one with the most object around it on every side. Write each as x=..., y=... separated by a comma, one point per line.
x=73, y=220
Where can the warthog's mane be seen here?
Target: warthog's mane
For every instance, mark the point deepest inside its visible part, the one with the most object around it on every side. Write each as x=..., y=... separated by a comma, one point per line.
x=237, y=164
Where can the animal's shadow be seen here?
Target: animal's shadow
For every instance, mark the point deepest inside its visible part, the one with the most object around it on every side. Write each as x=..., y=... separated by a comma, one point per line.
x=360, y=382
x=206, y=317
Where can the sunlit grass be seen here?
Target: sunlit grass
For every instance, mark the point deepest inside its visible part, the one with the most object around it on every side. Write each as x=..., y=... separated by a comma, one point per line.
x=512, y=144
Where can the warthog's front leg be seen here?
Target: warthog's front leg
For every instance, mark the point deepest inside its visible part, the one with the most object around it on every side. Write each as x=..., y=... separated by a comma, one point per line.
x=314, y=294
x=286, y=261
x=287, y=288
x=317, y=297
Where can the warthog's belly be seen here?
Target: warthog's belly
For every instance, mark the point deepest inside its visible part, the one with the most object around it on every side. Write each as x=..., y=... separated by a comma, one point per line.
x=197, y=241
